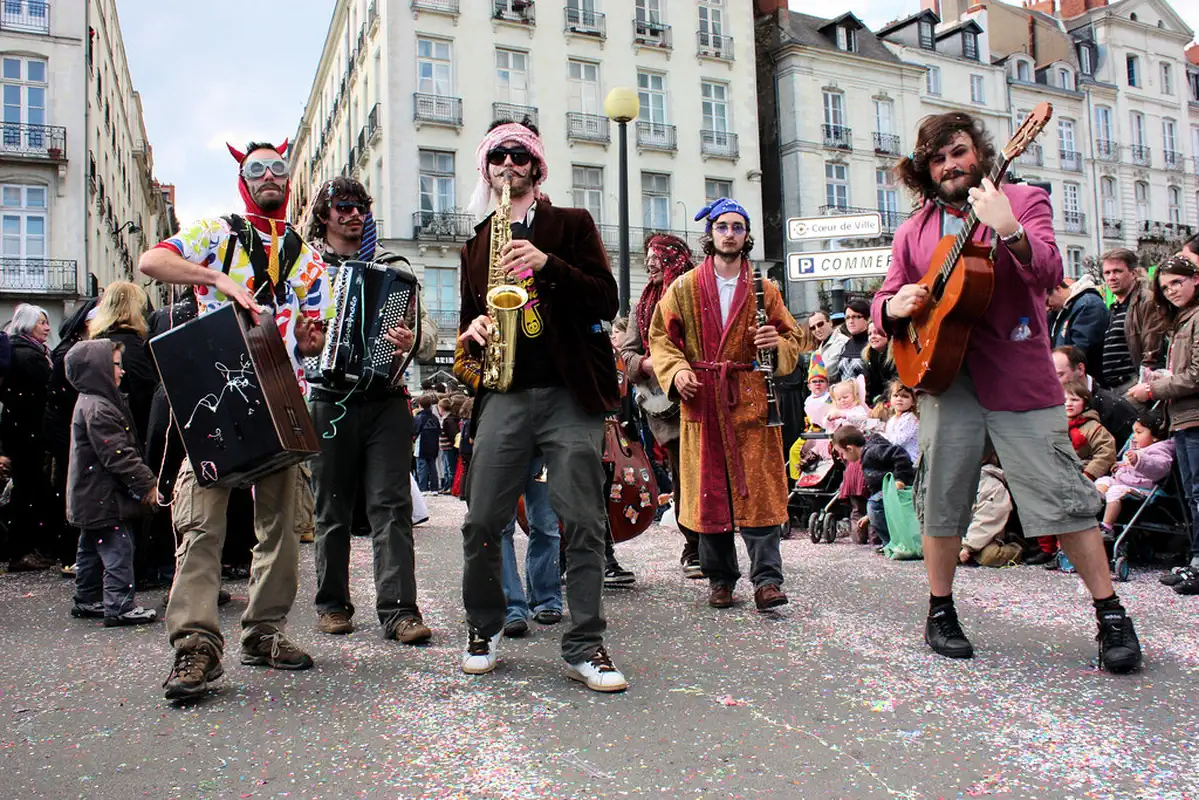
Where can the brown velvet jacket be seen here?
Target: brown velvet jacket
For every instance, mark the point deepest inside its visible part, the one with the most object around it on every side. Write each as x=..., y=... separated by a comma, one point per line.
x=577, y=294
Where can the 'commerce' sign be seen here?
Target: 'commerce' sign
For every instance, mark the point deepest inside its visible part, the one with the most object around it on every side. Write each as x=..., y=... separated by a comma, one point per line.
x=835, y=264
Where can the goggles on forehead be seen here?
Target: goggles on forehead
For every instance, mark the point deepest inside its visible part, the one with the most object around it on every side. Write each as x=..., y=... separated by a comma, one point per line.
x=253, y=170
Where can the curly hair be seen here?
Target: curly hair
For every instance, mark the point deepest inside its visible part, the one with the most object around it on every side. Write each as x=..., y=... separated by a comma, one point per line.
x=322, y=202
x=935, y=132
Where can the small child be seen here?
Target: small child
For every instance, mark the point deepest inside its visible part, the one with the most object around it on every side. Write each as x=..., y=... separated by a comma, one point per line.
x=109, y=487
x=849, y=407
x=876, y=456
x=903, y=427
x=1092, y=442
x=1148, y=460
x=816, y=405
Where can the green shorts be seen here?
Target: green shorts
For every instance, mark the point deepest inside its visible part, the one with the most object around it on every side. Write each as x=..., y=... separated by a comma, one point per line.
x=1043, y=473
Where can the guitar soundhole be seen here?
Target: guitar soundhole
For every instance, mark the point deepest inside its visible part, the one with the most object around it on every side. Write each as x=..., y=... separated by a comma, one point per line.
x=938, y=289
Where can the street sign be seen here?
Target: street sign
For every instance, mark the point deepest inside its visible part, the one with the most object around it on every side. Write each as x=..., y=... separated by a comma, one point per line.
x=838, y=264
x=848, y=226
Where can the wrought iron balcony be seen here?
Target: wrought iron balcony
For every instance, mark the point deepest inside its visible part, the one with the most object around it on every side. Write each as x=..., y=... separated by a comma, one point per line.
x=438, y=109
x=838, y=137
x=1106, y=150
x=1140, y=155
x=1075, y=221
x=513, y=113
x=28, y=16
x=1150, y=230
x=1113, y=228
x=518, y=11
x=1071, y=160
x=447, y=321
x=712, y=45
x=26, y=141
x=587, y=127
x=374, y=121
x=719, y=144
x=38, y=275
x=442, y=6
x=610, y=236
x=587, y=23
x=1033, y=156
x=442, y=226
x=657, y=136
x=886, y=144
x=1173, y=159
x=652, y=34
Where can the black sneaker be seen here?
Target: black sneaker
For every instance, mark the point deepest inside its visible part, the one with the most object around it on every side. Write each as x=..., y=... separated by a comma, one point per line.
x=1189, y=584
x=943, y=633
x=193, y=674
x=1119, y=648
x=273, y=650
x=516, y=628
x=616, y=576
x=87, y=610
x=134, y=616
x=1176, y=576
x=1040, y=557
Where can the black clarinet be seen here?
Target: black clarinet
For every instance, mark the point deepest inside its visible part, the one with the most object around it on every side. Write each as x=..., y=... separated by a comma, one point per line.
x=765, y=361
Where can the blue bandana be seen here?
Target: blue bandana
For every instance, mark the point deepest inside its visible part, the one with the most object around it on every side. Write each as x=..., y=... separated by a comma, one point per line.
x=723, y=205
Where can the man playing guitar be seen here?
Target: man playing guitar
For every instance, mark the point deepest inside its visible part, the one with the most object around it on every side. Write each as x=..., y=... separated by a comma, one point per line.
x=1006, y=391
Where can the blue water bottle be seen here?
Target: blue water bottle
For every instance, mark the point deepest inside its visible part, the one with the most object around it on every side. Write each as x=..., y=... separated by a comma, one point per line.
x=1022, y=331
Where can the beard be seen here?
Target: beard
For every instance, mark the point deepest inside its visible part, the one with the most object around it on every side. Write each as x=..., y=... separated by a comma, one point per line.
x=959, y=195
x=271, y=203
x=729, y=253
x=521, y=184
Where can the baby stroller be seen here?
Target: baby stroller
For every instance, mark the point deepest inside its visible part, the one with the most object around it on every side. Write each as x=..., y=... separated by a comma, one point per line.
x=814, y=502
x=1163, y=512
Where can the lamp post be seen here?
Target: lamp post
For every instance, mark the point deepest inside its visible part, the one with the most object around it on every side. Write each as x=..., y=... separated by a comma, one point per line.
x=622, y=105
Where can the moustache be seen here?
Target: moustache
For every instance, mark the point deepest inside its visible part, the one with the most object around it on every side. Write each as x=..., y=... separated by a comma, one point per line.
x=954, y=176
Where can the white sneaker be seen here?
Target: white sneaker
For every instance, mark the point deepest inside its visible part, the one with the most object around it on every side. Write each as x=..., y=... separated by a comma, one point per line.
x=599, y=673
x=480, y=656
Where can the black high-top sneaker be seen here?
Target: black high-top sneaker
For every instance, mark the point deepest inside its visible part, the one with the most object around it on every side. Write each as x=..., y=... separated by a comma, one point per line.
x=1119, y=648
x=943, y=633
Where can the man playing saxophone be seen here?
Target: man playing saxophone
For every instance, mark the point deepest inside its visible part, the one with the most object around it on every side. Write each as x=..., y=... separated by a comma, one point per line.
x=557, y=381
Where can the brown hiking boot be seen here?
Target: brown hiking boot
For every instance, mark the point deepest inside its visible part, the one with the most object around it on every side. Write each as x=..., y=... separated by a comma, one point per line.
x=720, y=596
x=307, y=537
x=193, y=674
x=273, y=650
x=768, y=597
x=410, y=630
x=335, y=622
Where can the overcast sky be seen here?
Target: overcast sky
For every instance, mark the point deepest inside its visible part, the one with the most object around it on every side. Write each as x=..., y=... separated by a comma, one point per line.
x=251, y=78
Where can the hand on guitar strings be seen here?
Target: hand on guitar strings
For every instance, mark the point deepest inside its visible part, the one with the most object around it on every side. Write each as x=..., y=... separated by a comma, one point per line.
x=907, y=301
x=236, y=292
x=520, y=253
x=766, y=337
x=477, y=331
x=401, y=336
x=310, y=336
x=993, y=209
x=686, y=384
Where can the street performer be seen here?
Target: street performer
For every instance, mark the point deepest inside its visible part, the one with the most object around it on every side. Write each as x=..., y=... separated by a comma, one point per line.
x=200, y=255
x=666, y=258
x=564, y=381
x=704, y=340
x=1007, y=390
x=366, y=446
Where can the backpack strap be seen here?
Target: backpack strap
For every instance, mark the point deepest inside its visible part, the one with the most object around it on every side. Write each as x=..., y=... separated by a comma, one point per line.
x=290, y=247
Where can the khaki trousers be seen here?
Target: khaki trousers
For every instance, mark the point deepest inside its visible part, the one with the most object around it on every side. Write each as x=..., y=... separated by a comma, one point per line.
x=199, y=517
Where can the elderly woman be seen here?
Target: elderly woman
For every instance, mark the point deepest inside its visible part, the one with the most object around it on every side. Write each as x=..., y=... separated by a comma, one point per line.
x=24, y=399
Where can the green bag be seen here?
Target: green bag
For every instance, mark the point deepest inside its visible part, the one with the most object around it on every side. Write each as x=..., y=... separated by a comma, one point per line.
x=902, y=524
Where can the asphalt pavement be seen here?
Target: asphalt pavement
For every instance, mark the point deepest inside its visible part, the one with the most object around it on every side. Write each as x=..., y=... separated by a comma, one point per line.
x=834, y=697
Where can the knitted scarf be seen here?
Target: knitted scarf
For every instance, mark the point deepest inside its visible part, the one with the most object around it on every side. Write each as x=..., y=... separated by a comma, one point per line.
x=1076, y=437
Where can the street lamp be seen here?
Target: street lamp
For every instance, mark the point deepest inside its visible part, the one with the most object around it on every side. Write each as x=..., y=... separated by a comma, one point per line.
x=622, y=105
x=131, y=225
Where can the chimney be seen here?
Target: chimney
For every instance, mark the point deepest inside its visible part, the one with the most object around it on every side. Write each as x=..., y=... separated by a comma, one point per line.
x=1074, y=8
x=1044, y=6
x=931, y=5
x=768, y=7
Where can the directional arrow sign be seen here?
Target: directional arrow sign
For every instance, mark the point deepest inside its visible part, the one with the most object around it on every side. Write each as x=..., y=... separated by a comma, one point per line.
x=834, y=264
x=847, y=226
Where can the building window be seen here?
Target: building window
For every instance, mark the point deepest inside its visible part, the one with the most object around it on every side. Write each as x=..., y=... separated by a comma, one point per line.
x=1070, y=207
x=436, y=181
x=836, y=185
x=847, y=39
x=648, y=12
x=1169, y=136
x=23, y=224
x=1140, y=192
x=1103, y=127
x=1167, y=79
x=434, y=67
x=1138, y=129
x=1064, y=79
x=977, y=95
x=512, y=77
x=1074, y=262
x=24, y=91
x=588, y=190
x=834, y=109
x=1069, y=150
x=715, y=188
x=441, y=290
x=1107, y=191
x=884, y=115
x=1174, y=204
x=970, y=45
x=655, y=201
x=1023, y=71
x=651, y=92
x=927, y=41
x=583, y=80
x=711, y=24
x=715, y=106
x=1193, y=80
x=932, y=83
x=1134, y=71
x=887, y=196
x=1086, y=60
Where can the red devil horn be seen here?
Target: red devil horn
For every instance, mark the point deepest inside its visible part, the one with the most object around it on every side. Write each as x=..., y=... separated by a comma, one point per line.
x=237, y=154
x=282, y=149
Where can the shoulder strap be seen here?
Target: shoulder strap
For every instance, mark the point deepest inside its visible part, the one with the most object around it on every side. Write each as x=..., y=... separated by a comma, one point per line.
x=235, y=225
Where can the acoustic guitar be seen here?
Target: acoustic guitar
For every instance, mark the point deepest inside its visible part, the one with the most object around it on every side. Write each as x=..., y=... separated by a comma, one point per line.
x=929, y=347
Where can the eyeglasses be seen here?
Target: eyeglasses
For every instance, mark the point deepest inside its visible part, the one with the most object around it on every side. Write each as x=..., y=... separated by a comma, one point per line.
x=519, y=155
x=818, y=325
x=346, y=206
x=723, y=227
x=255, y=170
x=854, y=316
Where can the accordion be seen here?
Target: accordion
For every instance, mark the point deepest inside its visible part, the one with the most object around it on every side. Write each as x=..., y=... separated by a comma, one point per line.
x=369, y=300
x=234, y=396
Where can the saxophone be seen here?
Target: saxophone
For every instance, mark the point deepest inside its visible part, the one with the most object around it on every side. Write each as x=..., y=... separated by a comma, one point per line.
x=504, y=303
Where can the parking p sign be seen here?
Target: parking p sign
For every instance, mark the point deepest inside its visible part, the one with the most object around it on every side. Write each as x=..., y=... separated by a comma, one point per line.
x=837, y=264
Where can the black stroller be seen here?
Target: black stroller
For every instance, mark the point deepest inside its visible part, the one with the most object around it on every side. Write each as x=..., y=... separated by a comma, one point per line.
x=814, y=503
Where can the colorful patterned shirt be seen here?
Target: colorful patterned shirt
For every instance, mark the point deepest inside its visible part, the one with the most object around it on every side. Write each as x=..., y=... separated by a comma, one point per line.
x=307, y=293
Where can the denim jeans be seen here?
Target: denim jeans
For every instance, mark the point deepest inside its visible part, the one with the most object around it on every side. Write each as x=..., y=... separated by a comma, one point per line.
x=449, y=463
x=426, y=474
x=878, y=517
x=104, y=568
x=542, y=588
x=1186, y=451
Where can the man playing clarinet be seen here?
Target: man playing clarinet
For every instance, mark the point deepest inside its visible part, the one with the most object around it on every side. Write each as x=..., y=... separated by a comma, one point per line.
x=704, y=341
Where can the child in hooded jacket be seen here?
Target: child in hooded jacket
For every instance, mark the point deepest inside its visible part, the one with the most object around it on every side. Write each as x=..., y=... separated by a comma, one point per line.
x=109, y=487
x=1149, y=459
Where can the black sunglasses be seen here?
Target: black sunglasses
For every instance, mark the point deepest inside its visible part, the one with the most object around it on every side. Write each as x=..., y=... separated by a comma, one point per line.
x=519, y=156
x=346, y=206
